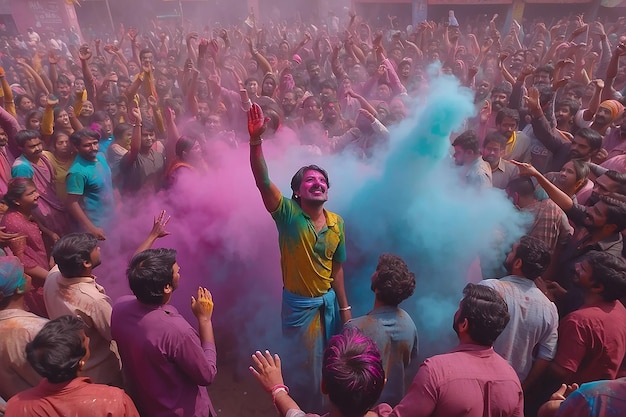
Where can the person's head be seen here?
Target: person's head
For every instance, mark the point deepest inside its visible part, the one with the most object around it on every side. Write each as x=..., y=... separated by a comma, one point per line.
x=123, y=134
x=13, y=282
x=586, y=144
x=87, y=110
x=608, y=111
x=289, y=102
x=608, y=183
x=30, y=143
x=24, y=103
x=529, y=258
x=482, y=88
x=33, y=120
x=204, y=110
x=188, y=149
x=252, y=87
x=213, y=123
x=268, y=87
x=76, y=254
x=521, y=191
x=311, y=109
x=108, y=104
x=60, y=144
x=573, y=175
x=61, y=119
x=564, y=112
x=392, y=282
x=602, y=273
x=103, y=123
x=352, y=373
x=404, y=68
x=494, y=146
x=499, y=98
x=607, y=216
x=466, y=148
x=313, y=68
x=310, y=183
x=153, y=275
x=482, y=315
x=146, y=57
x=543, y=75
x=148, y=135
x=86, y=142
x=21, y=195
x=63, y=87
x=331, y=111
x=507, y=121
x=60, y=349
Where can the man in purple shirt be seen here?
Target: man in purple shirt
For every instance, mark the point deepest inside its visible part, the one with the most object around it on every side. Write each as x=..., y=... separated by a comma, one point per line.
x=167, y=364
x=471, y=380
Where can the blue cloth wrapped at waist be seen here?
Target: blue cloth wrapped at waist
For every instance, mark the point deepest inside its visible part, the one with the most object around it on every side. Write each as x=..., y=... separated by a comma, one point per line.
x=301, y=311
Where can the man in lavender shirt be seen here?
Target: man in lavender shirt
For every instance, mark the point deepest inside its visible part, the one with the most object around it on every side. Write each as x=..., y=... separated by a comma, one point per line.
x=472, y=380
x=167, y=364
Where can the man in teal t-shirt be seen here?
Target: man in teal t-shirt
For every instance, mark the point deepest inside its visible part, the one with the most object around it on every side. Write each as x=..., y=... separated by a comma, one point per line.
x=89, y=188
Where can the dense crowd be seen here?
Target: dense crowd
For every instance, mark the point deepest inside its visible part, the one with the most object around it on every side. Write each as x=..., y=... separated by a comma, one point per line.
x=91, y=128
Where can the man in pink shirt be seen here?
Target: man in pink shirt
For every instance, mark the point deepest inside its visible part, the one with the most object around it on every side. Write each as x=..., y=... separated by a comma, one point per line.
x=472, y=380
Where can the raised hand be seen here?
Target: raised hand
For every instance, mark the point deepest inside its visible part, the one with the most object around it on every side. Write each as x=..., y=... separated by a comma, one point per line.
x=257, y=123
x=158, y=227
x=84, y=53
x=202, y=307
x=267, y=369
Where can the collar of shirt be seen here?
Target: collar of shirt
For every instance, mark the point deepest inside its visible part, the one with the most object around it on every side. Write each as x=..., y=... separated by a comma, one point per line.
x=479, y=349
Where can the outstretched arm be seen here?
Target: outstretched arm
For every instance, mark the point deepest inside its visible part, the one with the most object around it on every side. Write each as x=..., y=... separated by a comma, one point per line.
x=256, y=127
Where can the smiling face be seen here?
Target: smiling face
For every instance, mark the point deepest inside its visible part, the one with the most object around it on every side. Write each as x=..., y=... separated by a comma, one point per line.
x=314, y=187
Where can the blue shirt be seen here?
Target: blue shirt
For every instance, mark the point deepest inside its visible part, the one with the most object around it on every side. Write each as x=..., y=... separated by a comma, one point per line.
x=22, y=168
x=92, y=180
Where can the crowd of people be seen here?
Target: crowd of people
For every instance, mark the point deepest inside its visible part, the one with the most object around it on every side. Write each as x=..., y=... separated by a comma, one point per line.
x=89, y=130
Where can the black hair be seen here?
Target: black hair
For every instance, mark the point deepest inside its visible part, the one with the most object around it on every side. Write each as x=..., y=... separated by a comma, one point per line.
x=593, y=138
x=506, y=112
x=57, y=350
x=72, y=251
x=24, y=136
x=16, y=189
x=149, y=272
x=535, y=256
x=523, y=186
x=77, y=137
x=296, y=180
x=610, y=271
x=496, y=137
x=486, y=312
x=468, y=141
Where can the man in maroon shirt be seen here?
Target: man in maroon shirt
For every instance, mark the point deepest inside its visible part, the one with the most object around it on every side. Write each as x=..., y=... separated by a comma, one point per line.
x=472, y=380
x=592, y=339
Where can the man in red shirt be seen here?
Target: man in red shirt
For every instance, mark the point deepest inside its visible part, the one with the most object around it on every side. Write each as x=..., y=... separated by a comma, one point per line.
x=592, y=339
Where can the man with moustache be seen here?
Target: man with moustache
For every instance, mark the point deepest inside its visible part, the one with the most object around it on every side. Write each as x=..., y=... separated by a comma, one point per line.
x=585, y=144
x=89, y=188
x=607, y=112
x=476, y=171
x=141, y=168
x=312, y=246
x=472, y=380
x=517, y=146
x=288, y=104
x=592, y=339
x=32, y=163
x=597, y=228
